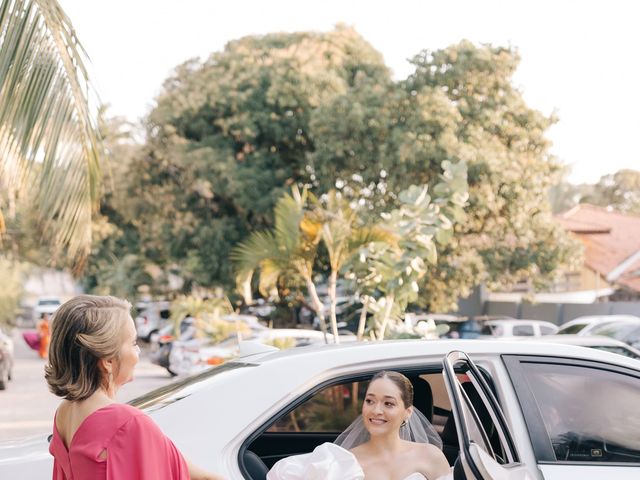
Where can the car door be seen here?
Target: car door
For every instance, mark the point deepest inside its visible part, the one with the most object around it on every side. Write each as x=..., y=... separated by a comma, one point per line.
x=487, y=448
x=581, y=416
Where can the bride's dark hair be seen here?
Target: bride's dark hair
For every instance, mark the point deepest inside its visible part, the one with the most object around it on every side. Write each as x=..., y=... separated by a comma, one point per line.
x=402, y=382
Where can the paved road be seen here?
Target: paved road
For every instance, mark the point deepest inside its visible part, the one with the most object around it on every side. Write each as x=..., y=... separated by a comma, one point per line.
x=27, y=406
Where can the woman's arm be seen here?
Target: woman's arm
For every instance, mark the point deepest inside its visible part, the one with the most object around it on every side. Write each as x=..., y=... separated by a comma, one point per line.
x=196, y=473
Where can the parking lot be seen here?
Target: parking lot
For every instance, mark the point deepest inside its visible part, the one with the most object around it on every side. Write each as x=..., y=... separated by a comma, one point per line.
x=27, y=407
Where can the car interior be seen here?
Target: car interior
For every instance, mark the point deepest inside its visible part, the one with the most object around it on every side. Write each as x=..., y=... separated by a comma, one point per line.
x=324, y=412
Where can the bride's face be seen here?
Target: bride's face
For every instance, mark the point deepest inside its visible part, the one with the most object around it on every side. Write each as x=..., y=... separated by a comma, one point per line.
x=383, y=410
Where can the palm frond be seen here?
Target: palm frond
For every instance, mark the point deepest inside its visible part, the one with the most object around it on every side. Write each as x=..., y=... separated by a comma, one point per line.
x=288, y=215
x=49, y=145
x=249, y=254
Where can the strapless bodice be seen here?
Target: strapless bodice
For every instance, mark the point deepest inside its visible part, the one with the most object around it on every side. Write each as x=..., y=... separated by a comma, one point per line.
x=416, y=476
x=327, y=462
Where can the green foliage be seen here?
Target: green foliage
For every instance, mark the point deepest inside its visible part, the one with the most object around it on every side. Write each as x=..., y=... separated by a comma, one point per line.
x=229, y=136
x=207, y=313
x=12, y=274
x=48, y=135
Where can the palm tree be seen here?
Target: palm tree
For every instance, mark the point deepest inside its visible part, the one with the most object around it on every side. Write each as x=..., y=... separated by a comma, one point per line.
x=285, y=253
x=343, y=236
x=49, y=146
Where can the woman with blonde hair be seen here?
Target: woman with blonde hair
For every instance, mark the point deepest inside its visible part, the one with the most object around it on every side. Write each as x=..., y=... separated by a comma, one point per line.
x=92, y=353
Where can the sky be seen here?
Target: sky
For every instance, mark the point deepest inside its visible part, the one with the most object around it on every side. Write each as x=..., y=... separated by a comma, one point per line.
x=580, y=59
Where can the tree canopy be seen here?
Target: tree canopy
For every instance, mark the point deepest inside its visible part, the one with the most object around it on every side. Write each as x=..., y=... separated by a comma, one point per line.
x=231, y=134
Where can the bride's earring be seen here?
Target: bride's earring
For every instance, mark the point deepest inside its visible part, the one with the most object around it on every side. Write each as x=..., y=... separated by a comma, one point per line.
x=404, y=423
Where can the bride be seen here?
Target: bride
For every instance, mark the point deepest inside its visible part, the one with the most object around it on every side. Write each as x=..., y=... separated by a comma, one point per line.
x=390, y=441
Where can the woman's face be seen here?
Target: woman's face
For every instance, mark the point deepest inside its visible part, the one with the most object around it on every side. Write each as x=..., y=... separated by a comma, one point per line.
x=383, y=410
x=129, y=352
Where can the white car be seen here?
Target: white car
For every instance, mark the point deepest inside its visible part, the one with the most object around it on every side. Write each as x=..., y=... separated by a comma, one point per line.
x=6, y=359
x=151, y=318
x=590, y=341
x=504, y=410
x=584, y=325
x=47, y=305
x=517, y=328
x=193, y=356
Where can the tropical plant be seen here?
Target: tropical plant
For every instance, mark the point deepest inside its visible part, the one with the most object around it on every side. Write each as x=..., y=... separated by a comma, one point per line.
x=343, y=234
x=50, y=148
x=207, y=313
x=389, y=272
x=284, y=254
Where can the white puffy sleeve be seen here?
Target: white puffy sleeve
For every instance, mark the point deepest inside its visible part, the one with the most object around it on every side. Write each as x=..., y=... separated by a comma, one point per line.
x=327, y=462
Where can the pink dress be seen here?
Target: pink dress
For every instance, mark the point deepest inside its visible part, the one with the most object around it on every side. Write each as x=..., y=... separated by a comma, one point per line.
x=135, y=446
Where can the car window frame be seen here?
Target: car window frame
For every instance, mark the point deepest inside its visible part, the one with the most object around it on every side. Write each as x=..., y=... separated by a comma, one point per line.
x=434, y=366
x=538, y=435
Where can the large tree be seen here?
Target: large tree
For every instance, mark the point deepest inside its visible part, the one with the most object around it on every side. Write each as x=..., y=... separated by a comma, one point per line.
x=229, y=136
x=459, y=104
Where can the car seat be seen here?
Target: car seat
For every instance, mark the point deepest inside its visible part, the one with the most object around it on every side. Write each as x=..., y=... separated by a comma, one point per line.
x=422, y=396
x=254, y=466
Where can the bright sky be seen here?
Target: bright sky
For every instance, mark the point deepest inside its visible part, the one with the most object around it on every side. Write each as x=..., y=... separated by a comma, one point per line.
x=579, y=58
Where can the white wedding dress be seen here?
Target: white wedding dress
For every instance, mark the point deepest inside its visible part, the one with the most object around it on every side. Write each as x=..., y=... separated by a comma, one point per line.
x=327, y=462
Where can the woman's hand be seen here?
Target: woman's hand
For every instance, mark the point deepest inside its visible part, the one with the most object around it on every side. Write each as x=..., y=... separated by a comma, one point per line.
x=196, y=473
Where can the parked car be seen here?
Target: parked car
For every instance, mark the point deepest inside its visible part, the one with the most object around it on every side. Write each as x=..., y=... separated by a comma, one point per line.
x=152, y=316
x=627, y=331
x=590, y=341
x=47, y=305
x=194, y=356
x=505, y=410
x=517, y=328
x=162, y=343
x=584, y=325
x=6, y=359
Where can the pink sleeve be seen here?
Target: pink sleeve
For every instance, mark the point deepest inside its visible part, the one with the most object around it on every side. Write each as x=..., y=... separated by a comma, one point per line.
x=139, y=450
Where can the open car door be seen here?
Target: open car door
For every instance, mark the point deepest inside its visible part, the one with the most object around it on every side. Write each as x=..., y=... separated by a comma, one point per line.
x=487, y=449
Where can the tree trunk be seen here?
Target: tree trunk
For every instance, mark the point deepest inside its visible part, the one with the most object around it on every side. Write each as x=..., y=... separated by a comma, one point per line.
x=387, y=314
x=363, y=318
x=333, y=279
x=317, y=305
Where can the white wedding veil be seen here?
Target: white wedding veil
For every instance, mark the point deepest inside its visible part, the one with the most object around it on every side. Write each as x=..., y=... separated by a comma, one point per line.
x=416, y=429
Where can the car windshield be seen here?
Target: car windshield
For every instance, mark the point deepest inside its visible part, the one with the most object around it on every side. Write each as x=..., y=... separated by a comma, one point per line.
x=168, y=394
x=49, y=302
x=618, y=330
x=571, y=329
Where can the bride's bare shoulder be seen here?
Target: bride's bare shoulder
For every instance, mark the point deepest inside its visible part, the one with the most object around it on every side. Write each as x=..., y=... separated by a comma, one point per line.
x=435, y=462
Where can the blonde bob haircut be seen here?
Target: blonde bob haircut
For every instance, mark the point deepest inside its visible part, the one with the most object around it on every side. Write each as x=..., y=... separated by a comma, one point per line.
x=84, y=330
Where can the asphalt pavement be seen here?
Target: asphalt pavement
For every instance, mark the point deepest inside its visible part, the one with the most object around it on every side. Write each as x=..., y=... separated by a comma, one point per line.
x=27, y=406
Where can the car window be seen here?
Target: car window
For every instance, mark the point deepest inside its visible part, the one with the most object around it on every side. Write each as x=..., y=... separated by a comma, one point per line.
x=545, y=330
x=165, y=314
x=572, y=329
x=332, y=409
x=523, y=330
x=480, y=412
x=589, y=414
x=616, y=330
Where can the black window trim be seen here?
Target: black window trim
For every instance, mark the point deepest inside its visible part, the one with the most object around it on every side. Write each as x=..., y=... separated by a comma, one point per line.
x=364, y=376
x=492, y=404
x=540, y=441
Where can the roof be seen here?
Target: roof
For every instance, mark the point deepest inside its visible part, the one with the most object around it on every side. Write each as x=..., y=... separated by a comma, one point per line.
x=611, y=240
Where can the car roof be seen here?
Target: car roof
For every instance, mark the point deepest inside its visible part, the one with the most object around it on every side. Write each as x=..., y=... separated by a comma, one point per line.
x=405, y=349
x=580, y=340
x=600, y=318
x=523, y=321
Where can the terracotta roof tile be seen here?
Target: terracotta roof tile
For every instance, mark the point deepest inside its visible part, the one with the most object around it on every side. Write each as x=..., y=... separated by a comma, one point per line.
x=609, y=238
